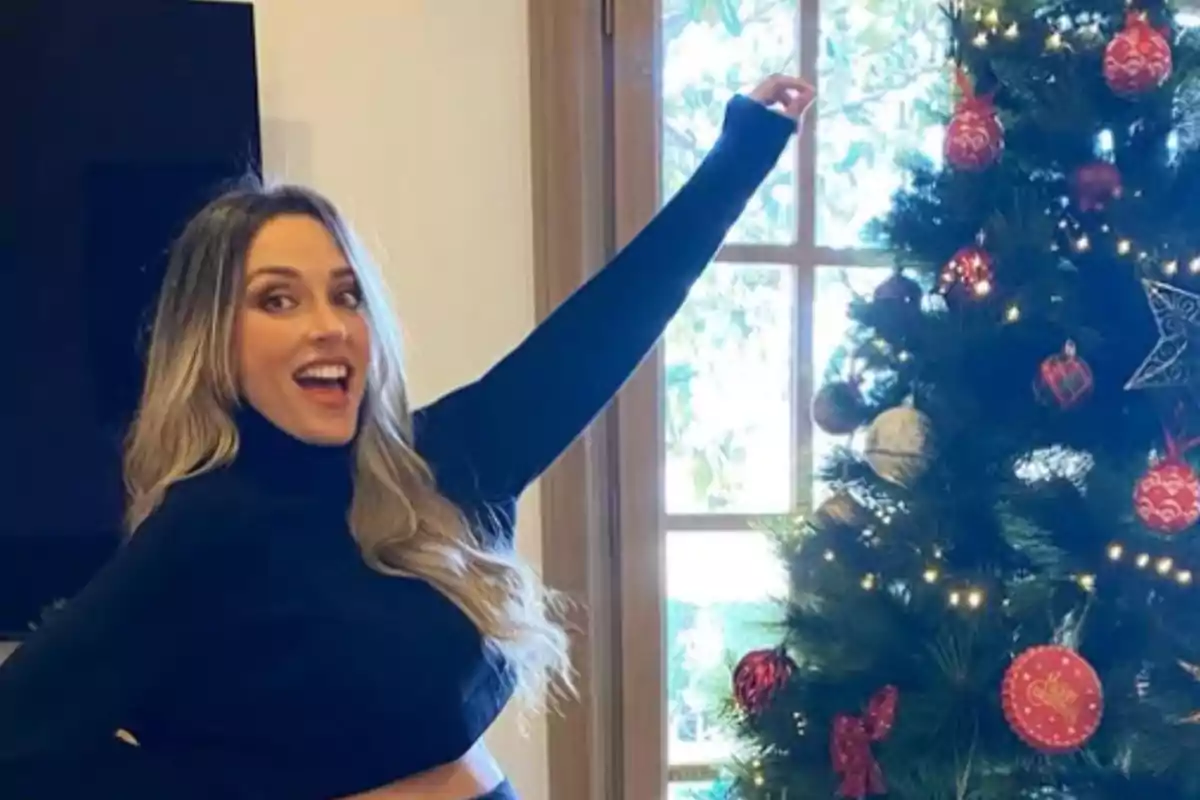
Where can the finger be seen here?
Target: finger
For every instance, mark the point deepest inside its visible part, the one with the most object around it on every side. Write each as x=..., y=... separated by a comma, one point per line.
x=802, y=100
x=792, y=83
x=767, y=91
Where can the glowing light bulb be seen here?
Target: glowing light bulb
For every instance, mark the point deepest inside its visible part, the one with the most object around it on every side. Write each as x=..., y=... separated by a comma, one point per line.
x=955, y=598
x=1083, y=243
x=1115, y=551
x=1184, y=576
x=1164, y=566
x=974, y=598
x=1011, y=32
x=829, y=555
x=930, y=575
x=1171, y=267
x=1054, y=41
x=868, y=581
x=1124, y=246
x=1012, y=314
x=1142, y=560
x=1087, y=582
x=1194, y=265
x=980, y=39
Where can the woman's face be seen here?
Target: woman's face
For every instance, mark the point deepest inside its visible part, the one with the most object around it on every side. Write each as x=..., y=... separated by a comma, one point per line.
x=302, y=342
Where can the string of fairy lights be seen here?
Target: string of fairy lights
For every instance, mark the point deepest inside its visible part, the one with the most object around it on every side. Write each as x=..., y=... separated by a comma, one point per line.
x=1067, y=34
x=964, y=596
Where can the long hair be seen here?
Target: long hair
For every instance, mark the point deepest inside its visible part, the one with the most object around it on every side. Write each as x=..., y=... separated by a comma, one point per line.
x=403, y=525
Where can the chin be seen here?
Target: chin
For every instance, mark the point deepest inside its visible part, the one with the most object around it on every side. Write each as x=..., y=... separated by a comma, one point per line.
x=330, y=440
x=329, y=436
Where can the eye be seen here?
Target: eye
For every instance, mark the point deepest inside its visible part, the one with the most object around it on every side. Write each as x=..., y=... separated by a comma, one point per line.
x=277, y=301
x=350, y=298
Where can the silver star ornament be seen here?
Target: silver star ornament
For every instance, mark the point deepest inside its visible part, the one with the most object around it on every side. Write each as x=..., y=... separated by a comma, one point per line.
x=1177, y=315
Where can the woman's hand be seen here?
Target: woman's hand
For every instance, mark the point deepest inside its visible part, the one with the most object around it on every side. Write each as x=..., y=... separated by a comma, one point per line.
x=787, y=94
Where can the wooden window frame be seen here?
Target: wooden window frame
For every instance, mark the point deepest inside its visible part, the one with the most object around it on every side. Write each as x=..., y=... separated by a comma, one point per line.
x=596, y=136
x=570, y=100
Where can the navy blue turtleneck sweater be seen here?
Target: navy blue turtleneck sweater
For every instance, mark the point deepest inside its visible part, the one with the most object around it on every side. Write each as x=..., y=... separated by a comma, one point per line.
x=240, y=635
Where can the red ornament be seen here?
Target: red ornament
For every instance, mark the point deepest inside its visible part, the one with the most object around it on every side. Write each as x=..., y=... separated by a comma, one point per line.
x=969, y=269
x=1138, y=58
x=1095, y=184
x=1064, y=378
x=850, y=745
x=974, y=138
x=1052, y=699
x=758, y=676
x=1167, y=497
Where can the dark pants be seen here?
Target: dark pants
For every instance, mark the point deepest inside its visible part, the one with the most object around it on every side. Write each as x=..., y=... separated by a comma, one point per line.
x=504, y=791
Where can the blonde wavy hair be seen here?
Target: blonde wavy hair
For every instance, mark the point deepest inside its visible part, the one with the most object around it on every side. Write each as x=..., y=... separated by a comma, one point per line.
x=404, y=526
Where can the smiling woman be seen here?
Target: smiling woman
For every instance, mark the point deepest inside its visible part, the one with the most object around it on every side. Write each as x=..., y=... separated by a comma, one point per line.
x=302, y=344
x=320, y=596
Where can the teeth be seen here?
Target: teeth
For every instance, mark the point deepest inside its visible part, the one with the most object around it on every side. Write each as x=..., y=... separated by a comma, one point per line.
x=329, y=372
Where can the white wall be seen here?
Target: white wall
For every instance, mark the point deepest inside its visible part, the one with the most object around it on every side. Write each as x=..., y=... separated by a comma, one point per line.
x=413, y=115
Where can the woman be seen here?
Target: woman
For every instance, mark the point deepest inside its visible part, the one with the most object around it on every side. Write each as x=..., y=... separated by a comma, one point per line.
x=319, y=597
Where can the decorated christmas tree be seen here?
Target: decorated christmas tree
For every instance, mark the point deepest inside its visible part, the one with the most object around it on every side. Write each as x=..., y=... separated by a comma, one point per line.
x=997, y=596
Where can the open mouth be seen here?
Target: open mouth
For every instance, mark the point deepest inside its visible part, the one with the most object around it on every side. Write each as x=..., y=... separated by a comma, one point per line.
x=326, y=378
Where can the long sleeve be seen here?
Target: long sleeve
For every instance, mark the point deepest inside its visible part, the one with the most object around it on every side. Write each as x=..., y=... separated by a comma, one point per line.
x=70, y=686
x=512, y=423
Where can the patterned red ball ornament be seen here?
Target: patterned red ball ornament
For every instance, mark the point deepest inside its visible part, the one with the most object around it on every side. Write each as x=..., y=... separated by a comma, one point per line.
x=1138, y=58
x=1064, y=378
x=974, y=138
x=1095, y=185
x=968, y=270
x=1052, y=699
x=1167, y=497
x=758, y=676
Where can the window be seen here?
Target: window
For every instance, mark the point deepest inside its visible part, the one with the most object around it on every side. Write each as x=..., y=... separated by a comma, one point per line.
x=732, y=383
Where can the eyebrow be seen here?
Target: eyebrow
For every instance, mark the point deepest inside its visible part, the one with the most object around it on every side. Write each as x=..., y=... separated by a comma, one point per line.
x=290, y=272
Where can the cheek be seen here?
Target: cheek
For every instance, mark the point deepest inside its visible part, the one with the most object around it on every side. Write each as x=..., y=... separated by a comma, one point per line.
x=260, y=348
x=360, y=335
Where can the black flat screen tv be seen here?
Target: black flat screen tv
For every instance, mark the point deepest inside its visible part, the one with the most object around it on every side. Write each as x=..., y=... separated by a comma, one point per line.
x=127, y=116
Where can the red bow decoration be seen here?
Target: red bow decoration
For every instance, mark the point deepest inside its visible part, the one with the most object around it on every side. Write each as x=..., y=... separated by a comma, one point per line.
x=850, y=745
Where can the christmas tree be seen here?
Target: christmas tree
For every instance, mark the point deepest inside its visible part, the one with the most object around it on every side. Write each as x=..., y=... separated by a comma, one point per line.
x=998, y=596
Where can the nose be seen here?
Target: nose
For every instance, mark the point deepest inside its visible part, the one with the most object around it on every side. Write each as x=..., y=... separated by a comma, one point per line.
x=326, y=323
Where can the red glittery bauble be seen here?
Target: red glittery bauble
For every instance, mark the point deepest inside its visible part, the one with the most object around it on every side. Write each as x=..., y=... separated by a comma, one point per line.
x=1167, y=497
x=968, y=270
x=1064, y=378
x=1052, y=699
x=758, y=676
x=1138, y=58
x=1095, y=184
x=975, y=138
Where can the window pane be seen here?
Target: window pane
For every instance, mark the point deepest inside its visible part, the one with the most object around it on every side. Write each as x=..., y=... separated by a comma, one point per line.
x=713, y=49
x=722, y=590
x=882, y=79
x=695, y=790
x=835, y=289
x=727, y=393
